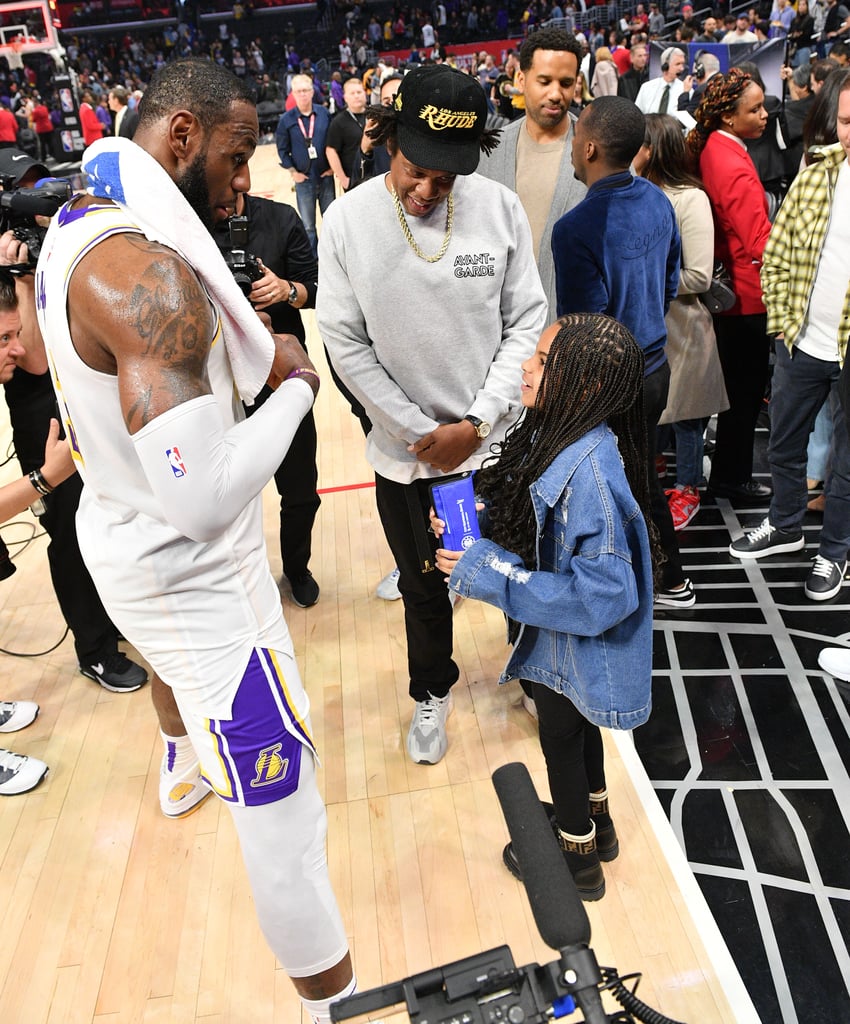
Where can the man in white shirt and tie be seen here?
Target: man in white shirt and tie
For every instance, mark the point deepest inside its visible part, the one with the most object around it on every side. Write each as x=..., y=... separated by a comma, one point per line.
x=661, y=95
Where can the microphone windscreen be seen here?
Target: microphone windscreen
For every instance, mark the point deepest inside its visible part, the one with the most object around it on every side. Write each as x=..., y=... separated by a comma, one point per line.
x=555, y=903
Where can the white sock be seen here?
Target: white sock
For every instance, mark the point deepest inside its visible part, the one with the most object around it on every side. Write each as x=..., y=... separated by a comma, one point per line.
x=579, y=839
x=179, y=751
x=320, y=1009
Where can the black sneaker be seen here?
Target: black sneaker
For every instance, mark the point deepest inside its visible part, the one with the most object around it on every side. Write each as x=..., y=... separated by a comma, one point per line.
x=684, y=597
x=825, y=579
x=766, y=540
x=305, y=590
x=117, y=673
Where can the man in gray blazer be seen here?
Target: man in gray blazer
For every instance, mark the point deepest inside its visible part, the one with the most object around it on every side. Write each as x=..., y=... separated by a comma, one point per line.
x=534, y=158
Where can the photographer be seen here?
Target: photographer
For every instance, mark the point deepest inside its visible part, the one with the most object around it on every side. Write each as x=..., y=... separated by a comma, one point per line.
x=279, y=242
x=32, y=404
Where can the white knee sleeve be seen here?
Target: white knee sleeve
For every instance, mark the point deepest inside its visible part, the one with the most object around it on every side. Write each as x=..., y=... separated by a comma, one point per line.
x=283, y=846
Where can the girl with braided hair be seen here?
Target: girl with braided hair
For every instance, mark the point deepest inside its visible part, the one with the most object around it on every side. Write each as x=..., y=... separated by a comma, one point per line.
x=568, y=560
x=731, y=111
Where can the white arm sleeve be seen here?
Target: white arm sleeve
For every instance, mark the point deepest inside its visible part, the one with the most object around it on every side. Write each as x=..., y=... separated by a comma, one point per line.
x=203, y=475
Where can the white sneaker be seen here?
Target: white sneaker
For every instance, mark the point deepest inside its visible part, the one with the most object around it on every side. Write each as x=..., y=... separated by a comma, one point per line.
x=426, y=739
x=387, y=589
x=17, y=714
x=181, y=792
x=19, y=773
x=836, y=661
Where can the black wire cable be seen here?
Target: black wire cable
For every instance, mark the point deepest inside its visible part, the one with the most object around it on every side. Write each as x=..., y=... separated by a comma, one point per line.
x=633, y=1005
x=23, y=544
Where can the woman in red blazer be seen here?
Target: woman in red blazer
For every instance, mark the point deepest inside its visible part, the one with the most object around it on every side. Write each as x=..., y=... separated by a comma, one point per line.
x=92, y=128
x=731, y=110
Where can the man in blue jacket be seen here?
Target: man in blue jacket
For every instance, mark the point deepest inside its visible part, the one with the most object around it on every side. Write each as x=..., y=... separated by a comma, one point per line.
x=618, y=252
x=300, y=138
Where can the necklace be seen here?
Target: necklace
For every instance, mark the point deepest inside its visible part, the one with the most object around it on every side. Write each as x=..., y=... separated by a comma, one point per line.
x=411, y=241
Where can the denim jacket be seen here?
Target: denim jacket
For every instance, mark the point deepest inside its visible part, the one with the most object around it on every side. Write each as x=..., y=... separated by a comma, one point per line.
x=586, y=611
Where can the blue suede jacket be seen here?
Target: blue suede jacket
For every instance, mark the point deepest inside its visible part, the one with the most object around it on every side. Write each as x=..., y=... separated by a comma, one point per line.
x=586, y=611
x=618, y=252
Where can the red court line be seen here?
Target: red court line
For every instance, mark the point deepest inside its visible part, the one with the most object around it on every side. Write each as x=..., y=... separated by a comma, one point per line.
x=345, y=487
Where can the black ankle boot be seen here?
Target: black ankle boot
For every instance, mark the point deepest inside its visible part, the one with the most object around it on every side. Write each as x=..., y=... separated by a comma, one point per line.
x=607, y=844
x=582, y=859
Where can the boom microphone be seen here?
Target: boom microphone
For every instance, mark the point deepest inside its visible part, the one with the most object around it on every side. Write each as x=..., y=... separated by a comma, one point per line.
x=558, y=911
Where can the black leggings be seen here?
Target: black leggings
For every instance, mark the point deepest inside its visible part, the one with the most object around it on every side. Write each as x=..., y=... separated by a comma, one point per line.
x=575, y=758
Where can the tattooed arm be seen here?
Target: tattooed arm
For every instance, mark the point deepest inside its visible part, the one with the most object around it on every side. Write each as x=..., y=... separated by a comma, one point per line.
x=137, y=311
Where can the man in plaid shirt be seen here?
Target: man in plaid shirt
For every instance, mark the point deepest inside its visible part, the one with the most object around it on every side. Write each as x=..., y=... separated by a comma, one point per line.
x=806, y=288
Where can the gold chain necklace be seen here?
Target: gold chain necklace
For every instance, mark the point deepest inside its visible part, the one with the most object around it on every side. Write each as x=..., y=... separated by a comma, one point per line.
x=411, y=241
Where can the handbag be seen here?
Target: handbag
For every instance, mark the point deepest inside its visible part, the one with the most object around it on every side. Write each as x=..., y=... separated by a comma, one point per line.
x=720, y=295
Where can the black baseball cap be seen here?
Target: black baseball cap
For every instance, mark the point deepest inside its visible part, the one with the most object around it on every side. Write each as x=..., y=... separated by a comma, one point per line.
x=14, y=163
x=442, y=114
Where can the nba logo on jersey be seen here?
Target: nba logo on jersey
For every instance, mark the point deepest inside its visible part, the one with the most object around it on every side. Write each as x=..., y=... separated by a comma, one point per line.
x=176, y=460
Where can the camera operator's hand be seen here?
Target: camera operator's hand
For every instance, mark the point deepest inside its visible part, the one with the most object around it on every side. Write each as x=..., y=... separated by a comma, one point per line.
x=269, y=289
x=58, y=463
x=289, y=356
x=12, y=251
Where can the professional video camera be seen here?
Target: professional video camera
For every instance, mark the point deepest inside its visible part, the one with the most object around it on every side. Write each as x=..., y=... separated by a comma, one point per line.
x=489, y=987
x=20, y=206
x=245, y=268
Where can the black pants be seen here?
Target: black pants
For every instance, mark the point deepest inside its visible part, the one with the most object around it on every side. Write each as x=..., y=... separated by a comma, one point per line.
x=94, y=634
x=427, y=609
x=655, y=389
x=744, y=350
x=296, y=479
x=575, y=757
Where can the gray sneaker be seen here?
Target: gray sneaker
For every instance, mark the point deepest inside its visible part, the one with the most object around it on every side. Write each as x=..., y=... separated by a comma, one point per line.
x=426, y=739
x=387, y=589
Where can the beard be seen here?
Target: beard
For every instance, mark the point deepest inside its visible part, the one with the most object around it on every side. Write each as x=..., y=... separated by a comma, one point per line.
x=193, y=185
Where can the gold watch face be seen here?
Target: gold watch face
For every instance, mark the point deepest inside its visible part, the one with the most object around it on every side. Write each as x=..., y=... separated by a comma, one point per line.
x=483, y=429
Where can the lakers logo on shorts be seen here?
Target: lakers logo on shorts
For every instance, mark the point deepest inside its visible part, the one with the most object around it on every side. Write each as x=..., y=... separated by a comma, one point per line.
x=270, y=767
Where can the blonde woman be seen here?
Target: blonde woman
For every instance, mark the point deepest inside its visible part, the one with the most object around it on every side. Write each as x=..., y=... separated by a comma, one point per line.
x=605, y=76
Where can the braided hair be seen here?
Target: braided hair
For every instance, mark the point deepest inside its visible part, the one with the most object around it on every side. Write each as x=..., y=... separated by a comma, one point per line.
x=722, y=96
x=594, y=373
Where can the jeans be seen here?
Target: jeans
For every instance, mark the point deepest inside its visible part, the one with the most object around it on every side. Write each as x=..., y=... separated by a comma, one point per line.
x=800, y=386
x=820, y=443
x=307, y=194
x=655, y=389
x=689, y=451
x=427, y=608
x=801, y=57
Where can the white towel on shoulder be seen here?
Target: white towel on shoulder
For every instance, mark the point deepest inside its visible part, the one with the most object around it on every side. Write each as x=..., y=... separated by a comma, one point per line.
x=119, y=170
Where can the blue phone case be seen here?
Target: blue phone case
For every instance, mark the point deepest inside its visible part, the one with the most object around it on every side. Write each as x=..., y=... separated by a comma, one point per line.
x=454, y=503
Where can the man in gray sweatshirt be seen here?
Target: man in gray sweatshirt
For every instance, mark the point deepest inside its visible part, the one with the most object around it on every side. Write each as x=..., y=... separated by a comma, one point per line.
x=432, y=347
